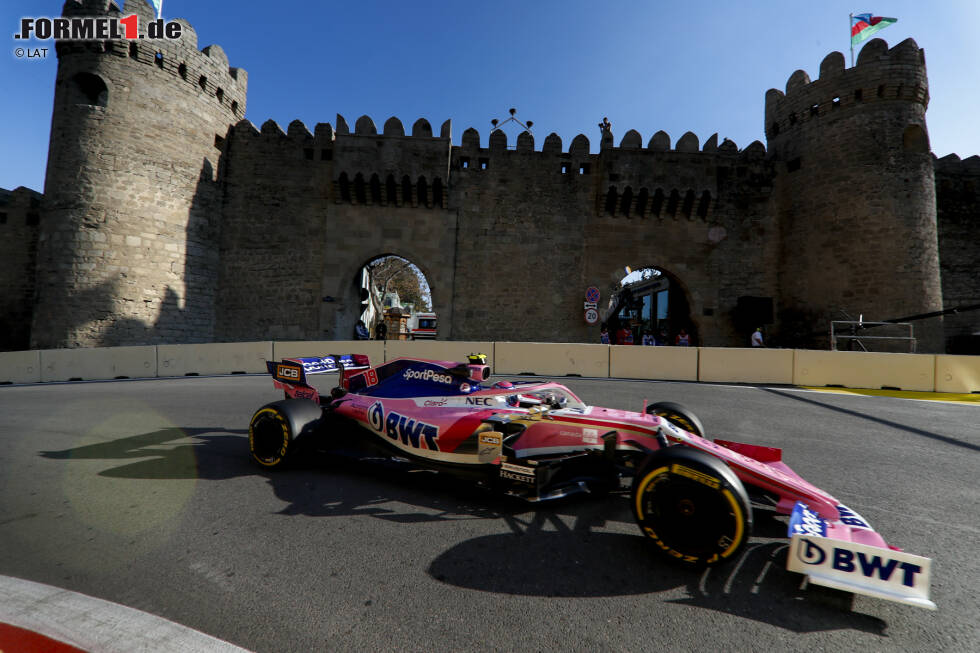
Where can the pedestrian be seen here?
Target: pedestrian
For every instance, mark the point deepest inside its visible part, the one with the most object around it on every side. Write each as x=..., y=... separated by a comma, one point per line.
x=757, y=338
x=682, y=339
x=361, y=331
x=604, y=334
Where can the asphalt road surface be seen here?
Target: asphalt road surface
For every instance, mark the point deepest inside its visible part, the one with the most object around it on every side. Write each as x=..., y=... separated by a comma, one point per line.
x=141, y=493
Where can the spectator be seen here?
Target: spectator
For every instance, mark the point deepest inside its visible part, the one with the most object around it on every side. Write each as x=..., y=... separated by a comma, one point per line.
x=682, y=339
x=604, y=334
x=648, y=338
x=757, y=338
x=605, y=125
x=361, y=331
x=624, y=336
x=380, y=331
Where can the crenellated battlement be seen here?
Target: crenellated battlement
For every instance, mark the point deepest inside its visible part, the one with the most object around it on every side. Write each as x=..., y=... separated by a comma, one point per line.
x=326, y=135
x=881, y=74
x=206, y=70
x=951, y=164
x=580, y=145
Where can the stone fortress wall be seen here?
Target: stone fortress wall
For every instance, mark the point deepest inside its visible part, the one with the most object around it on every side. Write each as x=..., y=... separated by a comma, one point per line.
x=168, y=218
x=131, y=202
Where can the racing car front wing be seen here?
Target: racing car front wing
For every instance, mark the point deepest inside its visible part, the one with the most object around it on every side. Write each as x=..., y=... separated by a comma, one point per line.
x=842, y=561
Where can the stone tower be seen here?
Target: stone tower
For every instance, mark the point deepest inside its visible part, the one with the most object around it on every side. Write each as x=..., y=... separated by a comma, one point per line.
x=127, y=250
x=855, y=192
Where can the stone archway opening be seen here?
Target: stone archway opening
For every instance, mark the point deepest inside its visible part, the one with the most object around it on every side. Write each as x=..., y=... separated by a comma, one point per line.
x=649, y=306
x=395, y=300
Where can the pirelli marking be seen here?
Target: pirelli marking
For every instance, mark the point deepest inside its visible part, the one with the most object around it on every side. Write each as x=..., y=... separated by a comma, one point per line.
x=695, y=475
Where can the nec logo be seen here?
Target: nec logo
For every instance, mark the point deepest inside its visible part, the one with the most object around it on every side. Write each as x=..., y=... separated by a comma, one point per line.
x=856, y=562
x=287, y=372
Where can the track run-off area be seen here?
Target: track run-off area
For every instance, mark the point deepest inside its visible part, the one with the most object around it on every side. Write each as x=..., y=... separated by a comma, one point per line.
x=139, y=495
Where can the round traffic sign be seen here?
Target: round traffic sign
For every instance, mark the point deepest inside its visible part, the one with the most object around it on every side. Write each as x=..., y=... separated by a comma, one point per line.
x=592, y=294
x=591, y=316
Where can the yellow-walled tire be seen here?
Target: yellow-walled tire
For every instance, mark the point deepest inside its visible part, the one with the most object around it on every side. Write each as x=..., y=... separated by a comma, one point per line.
x=691, y=506
x=678, y=415
x=275, y=429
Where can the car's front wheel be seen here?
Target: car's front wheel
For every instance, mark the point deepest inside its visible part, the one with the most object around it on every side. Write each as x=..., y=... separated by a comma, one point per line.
x=678, y=415
x=692, y=506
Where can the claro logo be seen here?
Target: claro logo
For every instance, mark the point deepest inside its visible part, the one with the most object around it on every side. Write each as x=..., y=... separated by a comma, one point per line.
x=427, y=375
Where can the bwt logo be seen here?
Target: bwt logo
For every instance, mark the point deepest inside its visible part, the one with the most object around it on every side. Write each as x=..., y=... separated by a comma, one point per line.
x=80, y=28
x=857, y=562
x=413, y=433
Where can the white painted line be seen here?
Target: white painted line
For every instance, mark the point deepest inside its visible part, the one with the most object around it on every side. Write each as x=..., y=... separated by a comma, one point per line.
x=96, y=625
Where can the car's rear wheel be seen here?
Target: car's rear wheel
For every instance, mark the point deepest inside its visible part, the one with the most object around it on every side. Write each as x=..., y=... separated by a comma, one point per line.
x=275, y=429
x=692, y=506
x=678, y=415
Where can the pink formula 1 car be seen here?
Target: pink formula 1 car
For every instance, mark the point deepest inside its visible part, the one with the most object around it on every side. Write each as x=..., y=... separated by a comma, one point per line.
x=538, y=441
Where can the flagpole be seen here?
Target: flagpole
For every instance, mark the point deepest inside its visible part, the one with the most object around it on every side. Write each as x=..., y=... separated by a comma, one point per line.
x=850, y=26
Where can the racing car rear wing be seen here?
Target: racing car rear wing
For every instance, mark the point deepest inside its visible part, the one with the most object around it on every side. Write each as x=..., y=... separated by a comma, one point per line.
x=290, y=374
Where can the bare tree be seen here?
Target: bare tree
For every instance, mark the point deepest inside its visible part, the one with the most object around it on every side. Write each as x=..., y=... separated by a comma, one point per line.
x=395, y=274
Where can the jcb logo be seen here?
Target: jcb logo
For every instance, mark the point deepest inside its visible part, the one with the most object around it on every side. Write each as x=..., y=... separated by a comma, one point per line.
x=288, y=372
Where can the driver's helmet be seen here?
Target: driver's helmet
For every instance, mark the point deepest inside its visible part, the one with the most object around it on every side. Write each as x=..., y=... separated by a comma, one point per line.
x=504, y=385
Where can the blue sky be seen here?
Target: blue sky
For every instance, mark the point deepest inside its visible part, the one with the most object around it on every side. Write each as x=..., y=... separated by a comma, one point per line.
x=693, y=66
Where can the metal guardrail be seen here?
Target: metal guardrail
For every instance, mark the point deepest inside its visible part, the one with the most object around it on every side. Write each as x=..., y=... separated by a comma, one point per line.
x=854, y=326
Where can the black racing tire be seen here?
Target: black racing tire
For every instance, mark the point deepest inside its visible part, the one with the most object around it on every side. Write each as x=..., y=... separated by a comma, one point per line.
x=678, y=415
x=276, y=430
x=691, y=506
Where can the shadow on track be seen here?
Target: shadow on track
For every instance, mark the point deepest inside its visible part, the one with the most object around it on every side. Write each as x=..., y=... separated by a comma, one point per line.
x=545, y=557
x=549, y=550
x=213, y=454
x=877, y=420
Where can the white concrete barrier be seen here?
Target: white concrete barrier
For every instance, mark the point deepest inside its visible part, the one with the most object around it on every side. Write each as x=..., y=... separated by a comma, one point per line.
x=745, y=365
x=661, y=363
x=98, y=363
x=551, y=359
x=375, y=349
x=20, y=366
x=957, y=373
x=442, y=350
x=858, y=369
x=213, y=358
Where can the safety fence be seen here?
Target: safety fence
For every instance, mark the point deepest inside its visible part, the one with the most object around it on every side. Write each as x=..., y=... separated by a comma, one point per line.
x=915, y=372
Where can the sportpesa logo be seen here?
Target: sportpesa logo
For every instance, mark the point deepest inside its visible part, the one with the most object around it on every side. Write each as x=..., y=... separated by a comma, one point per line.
x=427, y=375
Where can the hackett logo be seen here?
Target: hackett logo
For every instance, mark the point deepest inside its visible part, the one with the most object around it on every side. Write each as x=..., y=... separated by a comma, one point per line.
x=86, y=28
